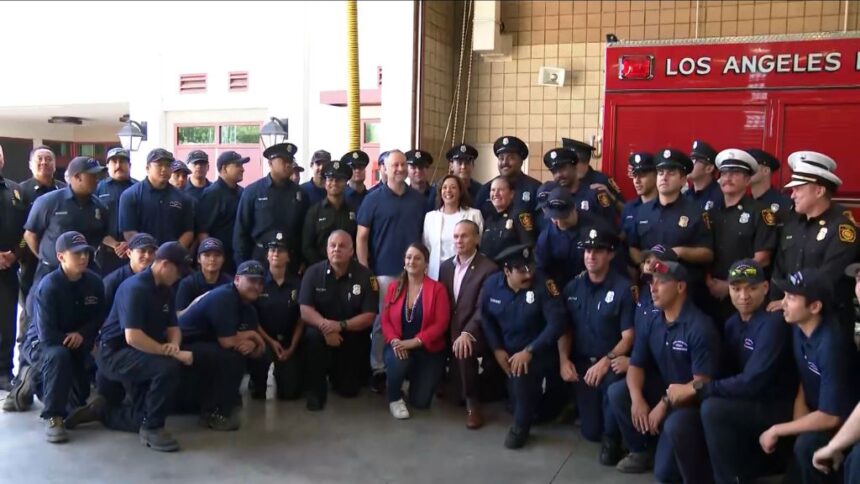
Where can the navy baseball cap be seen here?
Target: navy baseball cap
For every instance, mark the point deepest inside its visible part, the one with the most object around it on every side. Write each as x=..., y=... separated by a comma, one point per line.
x=118, y=153
x=746, y=270
x=210, y=244
x=355, y=159
x=197, y=156
x=670, y=270
x=662, y=253
x=72, y=242
x=543, y=192
x=141, y=240
x=175, y=253
x=84, y=164
x=320, y=156
x=559, y=203
x=231, y=157
x=179, y=166
x=251, y=268
x=808, y=283
x=159, y=154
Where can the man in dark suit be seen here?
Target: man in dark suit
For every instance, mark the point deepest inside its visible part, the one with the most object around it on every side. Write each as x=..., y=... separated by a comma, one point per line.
x=464, y=276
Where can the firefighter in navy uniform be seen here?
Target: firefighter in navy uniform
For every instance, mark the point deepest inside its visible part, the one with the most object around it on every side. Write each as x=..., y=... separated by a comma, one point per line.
x=356, y=190
x=819, y=234
x=761, y=189
x=506, y=223
x=643, y=173
x=198, y=161
x=564, y=165
x=591, y=178
x=418, y=161
x=331, y=213
x=112, y=253
x=270, y=205
x=315, y=187
x=216, y=209
x=705, y=190
x=461, y=162
x=522, y=318
x=511, y=152
x=13, y=214
x=601, y=305
x=743, y=227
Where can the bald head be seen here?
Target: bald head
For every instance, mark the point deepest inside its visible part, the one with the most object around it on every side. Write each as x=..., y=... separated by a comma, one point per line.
x=339, y=248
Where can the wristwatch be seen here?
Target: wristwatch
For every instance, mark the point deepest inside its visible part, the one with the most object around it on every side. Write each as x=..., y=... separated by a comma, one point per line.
x=343, y=325
x=698, y=385
x=611, y=355
x=529, y=349
x=665, y=400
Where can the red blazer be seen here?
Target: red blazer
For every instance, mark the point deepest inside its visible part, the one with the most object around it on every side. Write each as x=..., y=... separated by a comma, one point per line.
x=437, y=315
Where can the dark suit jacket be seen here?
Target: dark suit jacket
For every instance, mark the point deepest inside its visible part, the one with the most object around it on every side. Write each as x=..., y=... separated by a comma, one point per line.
x=466, y=312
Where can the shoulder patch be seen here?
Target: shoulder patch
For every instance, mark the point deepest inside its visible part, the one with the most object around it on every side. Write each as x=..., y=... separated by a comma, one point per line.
x=603, y=199
x=707, y=219
x=850, y=215
x=847, y=233
x=552, y=288
x=374, y=285
x=635, y=291
x=526, y=221
x=768, y=217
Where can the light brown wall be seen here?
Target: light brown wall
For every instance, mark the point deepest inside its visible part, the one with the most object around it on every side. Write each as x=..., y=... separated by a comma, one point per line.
x=506, y=100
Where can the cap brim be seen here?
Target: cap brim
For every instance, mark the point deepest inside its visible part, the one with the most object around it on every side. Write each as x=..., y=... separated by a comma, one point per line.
x=645, y=169
x=785, y=286
x=253, y=276
x=81, y=248
x=851, y=270
x=555, y=213
x=194, y=162
x=796, y=183
x=670, y=165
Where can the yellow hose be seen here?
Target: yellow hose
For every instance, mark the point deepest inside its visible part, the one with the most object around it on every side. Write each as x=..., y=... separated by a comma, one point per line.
x=354, y=95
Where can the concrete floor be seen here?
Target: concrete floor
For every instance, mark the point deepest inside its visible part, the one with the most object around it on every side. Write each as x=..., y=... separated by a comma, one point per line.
x=352, y=441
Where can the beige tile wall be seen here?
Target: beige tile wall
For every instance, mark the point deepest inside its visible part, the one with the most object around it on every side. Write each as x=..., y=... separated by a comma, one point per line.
x=506, y=100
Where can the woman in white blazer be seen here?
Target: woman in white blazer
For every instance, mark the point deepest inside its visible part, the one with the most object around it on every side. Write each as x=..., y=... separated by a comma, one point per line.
x=453, y=204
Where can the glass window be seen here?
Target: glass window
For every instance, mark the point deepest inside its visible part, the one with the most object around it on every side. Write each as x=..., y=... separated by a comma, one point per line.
x=195, y=135
x=240, y=134
x=371, y=132
x=60, y=148
x=87, y=149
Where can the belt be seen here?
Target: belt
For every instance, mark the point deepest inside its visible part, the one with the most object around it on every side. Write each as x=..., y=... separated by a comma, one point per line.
x=114, y=344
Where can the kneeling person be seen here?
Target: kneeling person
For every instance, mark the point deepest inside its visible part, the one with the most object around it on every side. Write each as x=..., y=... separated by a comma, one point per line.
x=68, y=308
x=220, y=329
x=139, y=348
x=280, y=327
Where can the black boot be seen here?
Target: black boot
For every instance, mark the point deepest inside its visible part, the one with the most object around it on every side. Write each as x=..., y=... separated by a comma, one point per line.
x=610, y=451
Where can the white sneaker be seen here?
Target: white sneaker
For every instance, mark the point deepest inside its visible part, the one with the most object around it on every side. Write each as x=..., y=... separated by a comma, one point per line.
x=399, y=410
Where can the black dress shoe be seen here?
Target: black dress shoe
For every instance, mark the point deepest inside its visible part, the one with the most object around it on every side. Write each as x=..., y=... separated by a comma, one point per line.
x=610, y=451
x=516, y=438
x=377, y=383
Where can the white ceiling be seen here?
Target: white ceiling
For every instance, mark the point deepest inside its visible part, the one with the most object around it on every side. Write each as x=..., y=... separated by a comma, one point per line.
x=92, y=114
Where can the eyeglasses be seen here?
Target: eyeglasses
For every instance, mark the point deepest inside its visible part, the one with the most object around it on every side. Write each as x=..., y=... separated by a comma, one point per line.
x=743, y=271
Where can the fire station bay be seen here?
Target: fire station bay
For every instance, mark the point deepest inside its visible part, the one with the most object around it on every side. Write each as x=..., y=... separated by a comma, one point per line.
x=422, y=241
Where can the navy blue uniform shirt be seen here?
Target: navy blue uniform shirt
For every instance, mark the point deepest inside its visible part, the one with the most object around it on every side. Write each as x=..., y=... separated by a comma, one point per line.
x=525, y=196
x=193, y=192
x=599, y=313
x=108, y=191
x=778, y=203
x=757, y=357
x=216, y=212
x=355, y=198
x=558, y=254
x=194, y=285
x=60, y=211
x=594, y=176
x=314, y=193
x=708, y=198
x=266, y=208
x=140, y=304
x=278, y=308
x=826, y=362
x=61, y=306
x=219, y=314
x=395, y=221
x=165, y=214
x=337, y=298
x=629, y=219
x=112, y=282
x=514, y=320
x=688, y=346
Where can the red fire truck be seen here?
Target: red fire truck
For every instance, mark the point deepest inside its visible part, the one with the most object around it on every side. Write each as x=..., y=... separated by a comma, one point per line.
x=777, y=93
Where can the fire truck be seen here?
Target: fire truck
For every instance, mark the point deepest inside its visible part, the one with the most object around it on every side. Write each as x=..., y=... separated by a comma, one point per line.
x=777, y=93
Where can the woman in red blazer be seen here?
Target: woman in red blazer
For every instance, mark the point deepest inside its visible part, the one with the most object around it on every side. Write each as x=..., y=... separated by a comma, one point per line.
x=415, y=316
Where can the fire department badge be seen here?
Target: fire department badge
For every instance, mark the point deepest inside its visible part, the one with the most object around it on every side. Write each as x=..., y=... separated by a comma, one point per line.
x=774, y=207
x=745, y=218
x=98, y=214
x=551, y=288
x=683, y=221
x=707, y=219
x=530, y=297
x=821, y=234
x=16, y=194
x=294, y=295
x=768, y=217
x=299, y=196
x=584, y=205
x=509, y=224
x=847, y=233
x=527, y=196
x=374, y=285
x=526, y=220
x=610, y=296
x=352, y=215
x=709, y=205
x=603, y=198
x=356, y=289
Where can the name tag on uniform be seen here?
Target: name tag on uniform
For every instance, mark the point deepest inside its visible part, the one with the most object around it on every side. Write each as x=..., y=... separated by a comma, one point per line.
x=495, y=301
x=319, y=289
x=263, y=294
x=175, y=204
x=813, y=368
x=679, y=345
x=263, y=199
x=104, y=195
x=165, y=308
x=90, y=300
x=749, y=344
x=643, y=222
x=61, y=213
x=321, y=219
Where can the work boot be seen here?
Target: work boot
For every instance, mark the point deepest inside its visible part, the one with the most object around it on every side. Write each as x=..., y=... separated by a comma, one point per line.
x=20, y=398
x=55, y=432
x=516, y=437
x=610, y=451
x=474, y=419
x=91, y=412
x=158, y=439
x=377, y=382
x=635, y=463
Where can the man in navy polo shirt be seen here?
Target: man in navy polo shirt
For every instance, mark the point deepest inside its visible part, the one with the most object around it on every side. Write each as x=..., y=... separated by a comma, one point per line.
x=826, y=363
x=390, y=219
x=600, y=329
x=198, y=162
x=270, y=205
x=113, y=251
x=156, y=207
x=68, y=309
x=758, y=389
x=210, y=257
x=139, y=347
x=221, y=331
x=216, y=211
x=681, y=345
x=73, y=208
x=314, y=188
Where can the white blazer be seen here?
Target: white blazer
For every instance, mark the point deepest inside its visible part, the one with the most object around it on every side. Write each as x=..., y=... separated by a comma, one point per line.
x=439, y=235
